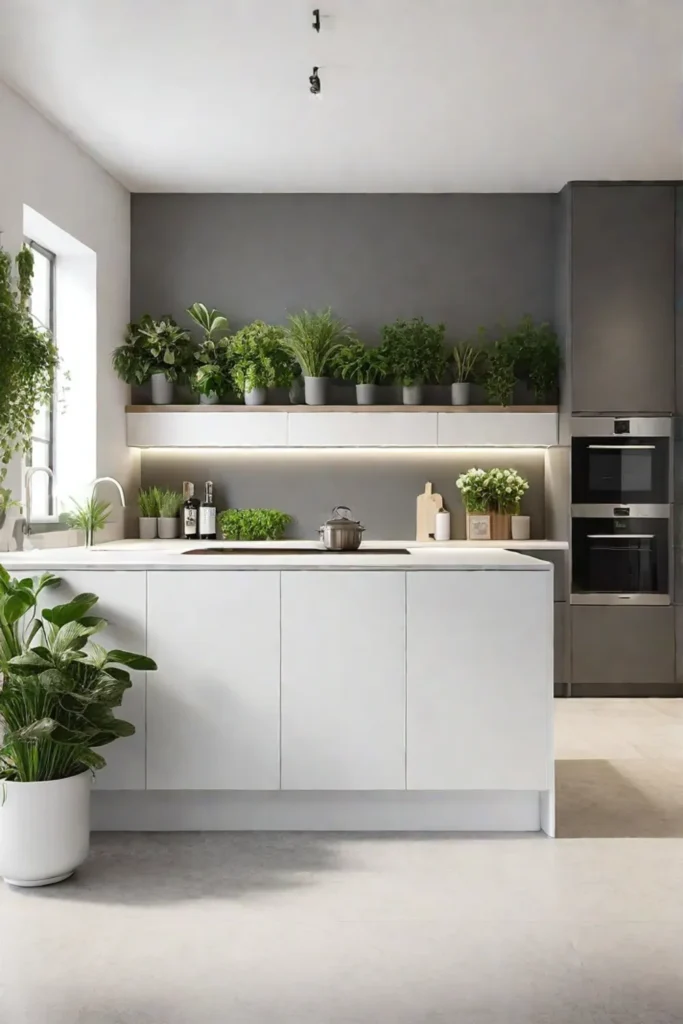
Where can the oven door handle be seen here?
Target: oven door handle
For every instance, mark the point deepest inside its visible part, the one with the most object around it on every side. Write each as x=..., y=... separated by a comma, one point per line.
x=623, y=447
x=620, y=536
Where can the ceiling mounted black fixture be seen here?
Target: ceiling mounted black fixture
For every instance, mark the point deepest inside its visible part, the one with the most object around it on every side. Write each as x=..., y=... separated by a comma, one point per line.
x=316, y=19
x=314, y=79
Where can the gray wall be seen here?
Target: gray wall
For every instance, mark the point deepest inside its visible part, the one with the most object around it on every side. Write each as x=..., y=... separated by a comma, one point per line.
x=381, y=488
x=470, y=260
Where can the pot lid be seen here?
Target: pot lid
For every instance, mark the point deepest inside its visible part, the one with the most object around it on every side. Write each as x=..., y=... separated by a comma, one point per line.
x=341, y=516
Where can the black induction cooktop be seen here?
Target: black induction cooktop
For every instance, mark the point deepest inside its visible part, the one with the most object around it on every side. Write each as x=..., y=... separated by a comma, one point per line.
x=294, y=551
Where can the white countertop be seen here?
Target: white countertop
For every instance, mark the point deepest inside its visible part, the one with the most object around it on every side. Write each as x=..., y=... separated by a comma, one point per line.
x=165, y=554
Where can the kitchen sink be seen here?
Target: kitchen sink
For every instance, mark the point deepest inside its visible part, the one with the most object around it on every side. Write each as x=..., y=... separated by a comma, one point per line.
x=295, y=551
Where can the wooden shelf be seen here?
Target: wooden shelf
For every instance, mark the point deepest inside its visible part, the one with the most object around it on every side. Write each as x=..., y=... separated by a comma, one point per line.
x=297, y=409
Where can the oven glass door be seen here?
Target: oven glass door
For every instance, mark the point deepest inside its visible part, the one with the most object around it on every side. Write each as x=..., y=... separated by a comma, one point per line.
x=620, y=556
x=620, y=471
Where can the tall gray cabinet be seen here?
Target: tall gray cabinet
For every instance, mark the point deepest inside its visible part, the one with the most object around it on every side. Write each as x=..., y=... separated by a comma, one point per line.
x=621, y=298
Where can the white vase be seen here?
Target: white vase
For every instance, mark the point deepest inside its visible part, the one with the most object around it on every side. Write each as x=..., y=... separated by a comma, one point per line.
x=315, y=390
x=162, y=389
x=520, y=527
x=148, y=527
x=412, y=394
x=168, y=527
x=366, y=394
x=44, y=829
x=460, y=393
x=255, y=396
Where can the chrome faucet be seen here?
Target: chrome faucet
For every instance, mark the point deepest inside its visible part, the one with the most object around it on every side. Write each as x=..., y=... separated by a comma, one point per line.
x=30, y=472
x=93, y=488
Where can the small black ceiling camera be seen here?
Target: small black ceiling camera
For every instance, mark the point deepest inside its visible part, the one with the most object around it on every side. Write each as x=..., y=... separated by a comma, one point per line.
x=314, y=79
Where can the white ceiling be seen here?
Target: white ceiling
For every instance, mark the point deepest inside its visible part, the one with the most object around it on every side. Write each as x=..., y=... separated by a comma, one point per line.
x=417, y=95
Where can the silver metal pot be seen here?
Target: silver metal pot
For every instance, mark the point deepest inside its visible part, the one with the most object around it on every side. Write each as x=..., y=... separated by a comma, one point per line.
x=341, y=532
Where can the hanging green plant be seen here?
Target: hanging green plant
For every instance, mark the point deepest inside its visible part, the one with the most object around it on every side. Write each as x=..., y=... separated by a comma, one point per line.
x=28, y=359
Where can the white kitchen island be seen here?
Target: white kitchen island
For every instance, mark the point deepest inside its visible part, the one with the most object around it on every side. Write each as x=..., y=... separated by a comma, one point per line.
x=324, y=691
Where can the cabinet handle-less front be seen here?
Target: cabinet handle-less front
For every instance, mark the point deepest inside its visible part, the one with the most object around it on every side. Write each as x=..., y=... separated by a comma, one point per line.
x=620, y=536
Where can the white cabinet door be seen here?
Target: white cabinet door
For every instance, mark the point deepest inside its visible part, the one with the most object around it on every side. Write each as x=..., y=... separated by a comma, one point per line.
x=122, y=602
x=213, y=708
x=206, y=429
x=479, y=680
x=343, y=680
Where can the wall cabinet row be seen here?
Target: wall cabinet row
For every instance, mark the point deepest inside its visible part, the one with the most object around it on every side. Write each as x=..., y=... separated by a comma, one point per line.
x=278, y=429
x=310, y=680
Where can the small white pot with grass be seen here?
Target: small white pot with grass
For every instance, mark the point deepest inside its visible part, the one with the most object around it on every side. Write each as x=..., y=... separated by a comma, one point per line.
x=91, y=516
x=168, y=523
x=52, y=735
x=148, y=501
x=465, y=360
x=313, y=341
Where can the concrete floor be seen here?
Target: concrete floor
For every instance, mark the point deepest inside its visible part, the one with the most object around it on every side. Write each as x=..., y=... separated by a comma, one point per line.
x=330, y=929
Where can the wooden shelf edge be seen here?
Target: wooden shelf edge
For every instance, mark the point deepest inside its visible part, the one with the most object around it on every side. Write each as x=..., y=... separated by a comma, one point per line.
x=312, y=409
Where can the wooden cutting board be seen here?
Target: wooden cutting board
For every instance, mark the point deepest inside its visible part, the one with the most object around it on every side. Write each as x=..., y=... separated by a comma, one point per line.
x=428, y=504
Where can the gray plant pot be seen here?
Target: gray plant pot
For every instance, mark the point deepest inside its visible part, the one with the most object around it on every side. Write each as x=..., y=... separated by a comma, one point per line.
x=148, y=527
x=211, y=399
x=168, y=528
x=366, y=394
x=162, y=390
x=412, y=395
x=257, y=396
x=460, y=393
x=315, y=389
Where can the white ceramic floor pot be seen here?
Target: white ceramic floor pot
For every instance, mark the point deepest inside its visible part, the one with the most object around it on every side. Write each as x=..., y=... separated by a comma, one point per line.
x=148, y=527
x=162, y=390
x=44, y=829
x=315, y=390
x=412, y=394
x=168, y=527
x=257, y=396
x=460, y=393
x=366, y=394
x=520, y=527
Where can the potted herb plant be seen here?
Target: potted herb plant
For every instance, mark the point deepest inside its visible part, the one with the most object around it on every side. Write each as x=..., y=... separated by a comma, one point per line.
x=148, y=502
x=253, y=523
x=506, y=488
x=169, y=506
x=6, y=503
x=57, y=702
x=91, y=516
x=465, y=360
x=156, y=350
x=476, y=497
x=538, y=358
x=209, y=377
x=313, y=339
x=28, y=359
x=499, y=376
x=415, y=355
x=364, y=366
x=260, y=361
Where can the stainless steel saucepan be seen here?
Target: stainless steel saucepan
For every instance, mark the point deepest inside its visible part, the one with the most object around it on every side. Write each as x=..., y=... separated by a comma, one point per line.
x=341, y=532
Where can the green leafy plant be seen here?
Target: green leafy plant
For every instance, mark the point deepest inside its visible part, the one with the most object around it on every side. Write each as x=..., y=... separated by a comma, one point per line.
x=208, y=379
x=360, y=363
x=313, y=339
x=59, y=688
x=91, y=516
x=253, y=523
x=538, y=358
x=153, y=346
x=28, y=360
x=465, y=360
x=211, y=359
x=149, y=500
x=6, y=501
x=213, y=323
x=499, y=377
x=474, y=489
x=414, y=351
x=170, y=503
x=260, y=358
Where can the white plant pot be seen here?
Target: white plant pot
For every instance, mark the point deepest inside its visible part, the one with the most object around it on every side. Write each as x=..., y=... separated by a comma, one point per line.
x=520, y=527
x=366, y=394
x=460, y=393
x=257, y=396
x=162, y=390
x=412, y=394
x=148, y=527
x=168, y=528
x=44, y=829
x=315, y=390
x=211, y=399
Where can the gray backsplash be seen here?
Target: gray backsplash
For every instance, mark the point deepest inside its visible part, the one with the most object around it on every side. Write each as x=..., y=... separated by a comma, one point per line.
x=380, y=487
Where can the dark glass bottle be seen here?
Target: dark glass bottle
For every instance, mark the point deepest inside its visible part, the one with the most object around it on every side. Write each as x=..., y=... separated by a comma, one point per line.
x=207, y=514
x=190, y=523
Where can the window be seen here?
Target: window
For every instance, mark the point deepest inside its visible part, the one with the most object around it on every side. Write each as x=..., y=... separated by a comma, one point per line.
x=42, y=439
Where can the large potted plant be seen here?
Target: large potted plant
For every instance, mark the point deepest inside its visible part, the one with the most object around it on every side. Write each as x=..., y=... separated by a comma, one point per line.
x=415, y=355
x=260, y=361
x=364, y=366
x=210, y=373
x=491, y=497
x=156, y=350
x=57, y=697
x=28, y=359
x=313, y=339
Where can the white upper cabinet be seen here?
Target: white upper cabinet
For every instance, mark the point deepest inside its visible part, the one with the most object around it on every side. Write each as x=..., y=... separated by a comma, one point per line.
x=206, y=429
x=506, y=429
x=362, y=429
